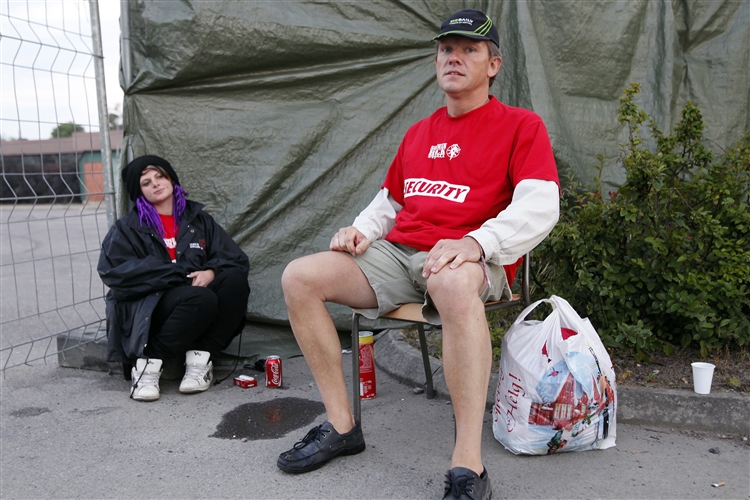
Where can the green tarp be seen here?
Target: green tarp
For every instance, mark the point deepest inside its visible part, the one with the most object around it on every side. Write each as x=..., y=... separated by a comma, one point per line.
x=283, y=116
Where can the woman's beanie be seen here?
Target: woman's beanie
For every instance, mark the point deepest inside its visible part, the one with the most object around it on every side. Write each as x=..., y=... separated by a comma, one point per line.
x=131, y=174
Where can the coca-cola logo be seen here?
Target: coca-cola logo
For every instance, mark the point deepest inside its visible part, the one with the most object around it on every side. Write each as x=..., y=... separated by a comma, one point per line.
x=275, y=373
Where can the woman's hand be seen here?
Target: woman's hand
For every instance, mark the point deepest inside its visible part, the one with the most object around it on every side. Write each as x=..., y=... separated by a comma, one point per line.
x=202, y=278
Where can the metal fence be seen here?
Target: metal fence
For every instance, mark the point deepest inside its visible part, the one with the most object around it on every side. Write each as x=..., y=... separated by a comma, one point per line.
x=56, y=197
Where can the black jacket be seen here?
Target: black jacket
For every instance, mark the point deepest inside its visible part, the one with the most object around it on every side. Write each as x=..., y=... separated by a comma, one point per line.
x=135, y=265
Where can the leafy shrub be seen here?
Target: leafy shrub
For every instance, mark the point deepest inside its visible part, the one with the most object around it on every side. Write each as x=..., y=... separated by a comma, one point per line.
x=665, y=259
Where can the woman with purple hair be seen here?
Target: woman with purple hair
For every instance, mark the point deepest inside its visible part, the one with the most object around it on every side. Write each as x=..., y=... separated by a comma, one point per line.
x=177, y=282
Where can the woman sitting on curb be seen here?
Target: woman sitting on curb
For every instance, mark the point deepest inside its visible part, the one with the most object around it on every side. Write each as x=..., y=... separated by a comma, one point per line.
x=177, y=282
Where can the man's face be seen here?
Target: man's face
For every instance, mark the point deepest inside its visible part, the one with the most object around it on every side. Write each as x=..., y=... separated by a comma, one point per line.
x=464, y=65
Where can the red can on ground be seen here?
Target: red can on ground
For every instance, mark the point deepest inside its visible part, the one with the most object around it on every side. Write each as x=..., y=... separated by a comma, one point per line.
x=245, y=381
x=367, y=386
x=273, y=371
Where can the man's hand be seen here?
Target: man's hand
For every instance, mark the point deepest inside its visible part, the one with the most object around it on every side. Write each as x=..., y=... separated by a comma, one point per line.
x=453, y=252
x=202, y=278
x=350, y=240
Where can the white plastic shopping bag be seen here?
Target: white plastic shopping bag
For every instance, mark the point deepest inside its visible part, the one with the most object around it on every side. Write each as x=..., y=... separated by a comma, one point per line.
x=556, y=387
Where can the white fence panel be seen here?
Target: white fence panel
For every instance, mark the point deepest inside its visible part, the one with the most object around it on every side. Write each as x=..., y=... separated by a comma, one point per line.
x=53, y=199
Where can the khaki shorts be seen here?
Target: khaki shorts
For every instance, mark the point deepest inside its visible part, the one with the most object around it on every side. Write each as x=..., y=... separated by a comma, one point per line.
x=395, y=273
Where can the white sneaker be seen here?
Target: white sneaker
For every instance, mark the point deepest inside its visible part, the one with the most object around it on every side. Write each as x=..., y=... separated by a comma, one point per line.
x=145, y=376
x=199, y=372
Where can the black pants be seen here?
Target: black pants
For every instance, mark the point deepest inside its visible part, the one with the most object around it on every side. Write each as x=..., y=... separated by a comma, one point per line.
x=199, y=318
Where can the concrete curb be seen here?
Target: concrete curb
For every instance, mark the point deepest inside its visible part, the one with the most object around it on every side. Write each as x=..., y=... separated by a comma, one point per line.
x=86, y=352
x=725, y=412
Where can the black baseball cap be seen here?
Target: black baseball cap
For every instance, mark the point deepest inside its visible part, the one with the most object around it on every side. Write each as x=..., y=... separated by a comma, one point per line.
x=470, y=23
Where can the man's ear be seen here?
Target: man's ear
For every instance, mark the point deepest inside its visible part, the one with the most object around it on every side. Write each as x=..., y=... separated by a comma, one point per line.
x=495, y=63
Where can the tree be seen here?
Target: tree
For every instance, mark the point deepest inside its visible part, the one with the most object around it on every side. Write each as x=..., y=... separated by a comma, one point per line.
x=663, y=261
x=66, y=130
x=115, y=121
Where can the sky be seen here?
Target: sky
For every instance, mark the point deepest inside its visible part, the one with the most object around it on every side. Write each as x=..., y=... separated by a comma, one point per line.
x=46, y=68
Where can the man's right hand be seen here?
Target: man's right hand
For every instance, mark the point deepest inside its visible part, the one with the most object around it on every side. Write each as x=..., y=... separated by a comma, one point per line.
x=350, y=240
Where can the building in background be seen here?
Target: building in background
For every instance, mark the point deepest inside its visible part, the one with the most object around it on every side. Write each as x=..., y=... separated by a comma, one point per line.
x=56, y=170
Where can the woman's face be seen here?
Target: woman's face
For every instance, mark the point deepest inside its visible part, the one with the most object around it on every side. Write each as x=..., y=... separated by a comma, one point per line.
x=156, y=188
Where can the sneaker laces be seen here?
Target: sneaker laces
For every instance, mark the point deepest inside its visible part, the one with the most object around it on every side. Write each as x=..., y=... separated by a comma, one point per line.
x=315, y=434
x=458, y=485
x=196, y=371
x=144, y=379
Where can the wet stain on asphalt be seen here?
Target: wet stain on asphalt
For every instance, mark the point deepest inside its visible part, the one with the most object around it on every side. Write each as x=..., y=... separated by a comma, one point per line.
x=268, y=419
x=31, y=411
x=102, y=410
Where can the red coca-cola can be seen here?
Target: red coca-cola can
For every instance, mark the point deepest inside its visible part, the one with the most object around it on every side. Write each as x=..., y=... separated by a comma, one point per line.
x=367, y=389
x=273, y=371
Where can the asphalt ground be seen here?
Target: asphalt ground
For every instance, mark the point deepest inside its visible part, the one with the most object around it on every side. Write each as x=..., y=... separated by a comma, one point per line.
x=70, y=433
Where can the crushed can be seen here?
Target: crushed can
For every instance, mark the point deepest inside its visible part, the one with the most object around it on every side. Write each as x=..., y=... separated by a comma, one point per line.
x=367, y=389
x=245, y=381
x=273, y=371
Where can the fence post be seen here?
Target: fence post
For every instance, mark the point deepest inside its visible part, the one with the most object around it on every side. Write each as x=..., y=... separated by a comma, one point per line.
x=101, y=95
x=125, y=57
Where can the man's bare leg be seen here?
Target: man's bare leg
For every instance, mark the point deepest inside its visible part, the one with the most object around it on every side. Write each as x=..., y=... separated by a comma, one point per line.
x=309, y=282
x=467, y=356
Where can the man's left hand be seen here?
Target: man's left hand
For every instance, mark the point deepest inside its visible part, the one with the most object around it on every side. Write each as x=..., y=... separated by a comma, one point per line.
x=202, y=278
x=452, y=253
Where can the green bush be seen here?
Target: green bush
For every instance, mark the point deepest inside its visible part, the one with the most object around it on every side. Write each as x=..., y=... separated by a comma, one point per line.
x=664, y=260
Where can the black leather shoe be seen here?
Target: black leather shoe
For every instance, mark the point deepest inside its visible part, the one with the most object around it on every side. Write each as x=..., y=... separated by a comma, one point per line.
x=319, y=446
x=465, y=484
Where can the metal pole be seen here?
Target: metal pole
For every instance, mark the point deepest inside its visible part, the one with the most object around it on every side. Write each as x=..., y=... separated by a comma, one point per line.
x=127, y=77
x=356, y=403
x=125, y=39
x=101, y=94
x=526, y=282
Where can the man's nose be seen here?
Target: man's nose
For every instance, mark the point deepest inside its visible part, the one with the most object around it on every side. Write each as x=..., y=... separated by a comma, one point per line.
x=454, y=58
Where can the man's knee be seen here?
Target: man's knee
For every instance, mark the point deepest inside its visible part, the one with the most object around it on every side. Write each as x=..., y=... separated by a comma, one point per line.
x=294, y=275
x=464, y=283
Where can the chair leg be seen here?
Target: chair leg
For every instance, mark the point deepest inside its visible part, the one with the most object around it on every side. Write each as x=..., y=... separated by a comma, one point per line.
x=356, y=403
x=526, y=281
x=429, y=390
x=455, y=429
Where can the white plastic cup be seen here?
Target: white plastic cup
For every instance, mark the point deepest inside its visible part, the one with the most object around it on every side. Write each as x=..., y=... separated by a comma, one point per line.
x=703, y=374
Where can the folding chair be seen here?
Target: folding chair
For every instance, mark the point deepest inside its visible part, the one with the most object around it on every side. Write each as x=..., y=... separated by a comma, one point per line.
x=412, y=313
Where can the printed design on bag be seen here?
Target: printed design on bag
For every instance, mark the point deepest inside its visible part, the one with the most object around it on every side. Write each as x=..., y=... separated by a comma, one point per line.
x=515, y=392
x=566, y=334
x=576, y=397
x=562, y=396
